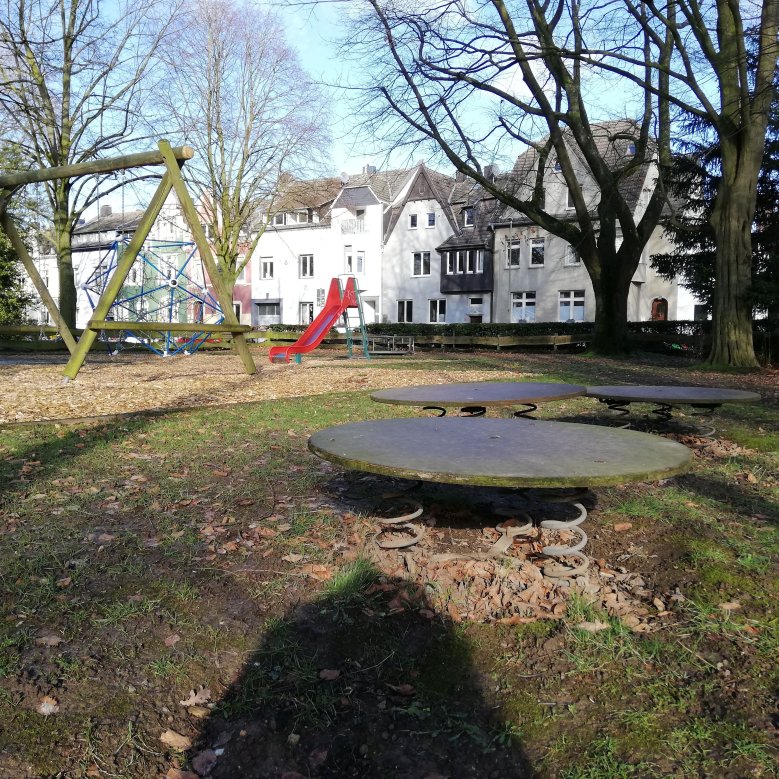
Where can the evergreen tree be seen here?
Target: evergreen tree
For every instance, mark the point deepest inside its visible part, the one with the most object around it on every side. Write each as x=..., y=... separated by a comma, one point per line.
x=695, y=181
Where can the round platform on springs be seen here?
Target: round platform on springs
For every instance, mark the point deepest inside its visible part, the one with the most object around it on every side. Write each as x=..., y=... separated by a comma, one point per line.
x=693, y=396
x=501, y=452
x=478, y=393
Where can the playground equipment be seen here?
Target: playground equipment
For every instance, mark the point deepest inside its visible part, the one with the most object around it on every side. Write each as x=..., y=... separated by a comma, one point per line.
x=173, y=160
x=166, y=284
x=339, y=300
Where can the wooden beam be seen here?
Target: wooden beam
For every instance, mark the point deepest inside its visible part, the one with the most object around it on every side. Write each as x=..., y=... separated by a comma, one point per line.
x=114, y=285
x=193, y=219
x=32, y=271
x=15, y=180
x=169, y=327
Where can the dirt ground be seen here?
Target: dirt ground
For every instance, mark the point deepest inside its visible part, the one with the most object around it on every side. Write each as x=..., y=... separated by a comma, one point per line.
x=32, y=387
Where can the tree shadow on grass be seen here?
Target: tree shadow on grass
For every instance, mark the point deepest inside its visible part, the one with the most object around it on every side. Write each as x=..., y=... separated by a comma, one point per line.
x=343, y=687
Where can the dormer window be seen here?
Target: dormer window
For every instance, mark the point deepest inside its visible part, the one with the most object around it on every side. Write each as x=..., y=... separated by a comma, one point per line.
x=278, y=219
x=468, y=214
x=631, y=149
x=557, y=166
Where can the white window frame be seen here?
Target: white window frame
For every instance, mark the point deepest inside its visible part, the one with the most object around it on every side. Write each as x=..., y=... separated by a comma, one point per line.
x=439, y=315
x=514, y=252
x=279, y=219
x=523, y=302
x=461, y=257
x=306, y=266
x=574, y=298
x=451, y=261
x=430, y=219
x=407, y=307
x=535, y=243
x=569, y=204
x=348, y=259
x=310, y=311
x=572, y=258
x=476, y=301
x=266, y=268
x=474, y=262
x=360, y=262
x=421, y=256
x=413, y=221
x=469, y=214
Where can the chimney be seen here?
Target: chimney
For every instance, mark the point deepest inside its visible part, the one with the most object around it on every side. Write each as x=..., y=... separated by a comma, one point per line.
x=490, y=171
x=369, y=169
x=105, y=211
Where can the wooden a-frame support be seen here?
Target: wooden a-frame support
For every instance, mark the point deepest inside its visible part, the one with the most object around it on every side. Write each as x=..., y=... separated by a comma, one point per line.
x=173, y=160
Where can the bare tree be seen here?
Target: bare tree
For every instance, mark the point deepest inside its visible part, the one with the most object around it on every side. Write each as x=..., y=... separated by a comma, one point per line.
x=478, y=79
x=723, y=73
x=238, y=94
x=73, y=72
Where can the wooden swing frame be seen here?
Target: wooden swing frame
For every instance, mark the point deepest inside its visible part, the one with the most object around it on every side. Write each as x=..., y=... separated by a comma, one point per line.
x=173, y=159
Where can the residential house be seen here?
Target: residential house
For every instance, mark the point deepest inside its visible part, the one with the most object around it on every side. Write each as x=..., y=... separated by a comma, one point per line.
x=380, y=227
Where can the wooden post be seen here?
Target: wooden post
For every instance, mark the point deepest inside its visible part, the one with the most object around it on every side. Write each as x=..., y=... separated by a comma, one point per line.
x=114, y=285
x=35, y=277
x=12, y=181
x=193, y=219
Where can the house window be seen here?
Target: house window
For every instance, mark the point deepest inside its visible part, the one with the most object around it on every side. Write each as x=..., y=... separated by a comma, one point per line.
x=438, y=310
x=513, y=253
x=360, y=262
x=631, y=149
x=451, y=258
x=468, y=216
x=475, y=301
x=240, y=260
x=303, y=217
x=306, y=313
x=537, y=252
x=523, y=306
x=268, y=309
x=569, y=199
x=412, y=221
x=474, y=263
x=278, y=219
x=132, y=278
x=266, y=267
x=320, y=297
x=306, y=267
x=572, y=305
x=348, y=260
x=237, y=309
x=431, y=220
x=405, y=311
x=461, y=261
x=421, y=264
x=572, y=256
x=557, y=166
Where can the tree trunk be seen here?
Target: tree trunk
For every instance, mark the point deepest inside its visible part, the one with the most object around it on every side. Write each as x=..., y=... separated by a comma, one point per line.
x=67, y=280
x=731, y=221
x=610, y=337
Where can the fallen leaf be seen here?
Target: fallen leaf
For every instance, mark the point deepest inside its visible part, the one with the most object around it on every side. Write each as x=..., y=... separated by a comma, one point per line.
x=204, y=761
x=329, y=674
x=198, y=712
x=64, y=582
x=176, y=740
x=620, y=527
x=733, y=605
x=49, y=639
x=177, y=773
x=292, y=558
x=403, y=689
x=47, y=705
x=172, y=640
x=197, y=697
x=593, y=627
x=284, y=526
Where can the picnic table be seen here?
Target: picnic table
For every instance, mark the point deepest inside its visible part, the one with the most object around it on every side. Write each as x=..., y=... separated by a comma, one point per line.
x=473, y=398
x=501, y=453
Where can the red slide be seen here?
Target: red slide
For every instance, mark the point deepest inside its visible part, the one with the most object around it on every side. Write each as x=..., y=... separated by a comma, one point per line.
x=333, y=309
